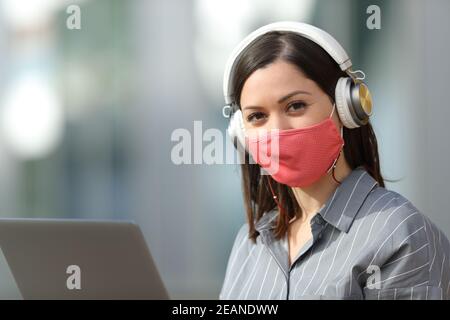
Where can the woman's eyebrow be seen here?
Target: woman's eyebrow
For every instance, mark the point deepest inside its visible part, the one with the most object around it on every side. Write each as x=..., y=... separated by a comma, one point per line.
x=251, y=107
x=281, y=100
x=292, y=94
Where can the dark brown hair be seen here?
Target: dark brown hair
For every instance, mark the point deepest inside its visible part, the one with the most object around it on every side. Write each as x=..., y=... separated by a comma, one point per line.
x=360, y=147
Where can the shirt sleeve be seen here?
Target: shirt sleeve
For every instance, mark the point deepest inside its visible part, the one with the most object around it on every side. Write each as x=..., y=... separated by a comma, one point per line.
x=413, y=262
x=238, y=251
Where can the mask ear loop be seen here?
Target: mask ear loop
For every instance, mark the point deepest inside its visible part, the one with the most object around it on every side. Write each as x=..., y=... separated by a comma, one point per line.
x=333, y=166
x=275, y=198
x=334, y=107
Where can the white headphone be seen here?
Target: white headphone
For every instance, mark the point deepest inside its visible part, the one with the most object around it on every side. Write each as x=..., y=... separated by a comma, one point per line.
x=352, y=96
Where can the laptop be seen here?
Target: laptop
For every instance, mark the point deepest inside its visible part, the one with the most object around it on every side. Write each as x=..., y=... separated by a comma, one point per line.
x=80, y=259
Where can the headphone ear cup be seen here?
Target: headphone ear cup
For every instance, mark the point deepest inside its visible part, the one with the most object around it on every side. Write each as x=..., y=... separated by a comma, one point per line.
x=343, y=87
x=236, y=129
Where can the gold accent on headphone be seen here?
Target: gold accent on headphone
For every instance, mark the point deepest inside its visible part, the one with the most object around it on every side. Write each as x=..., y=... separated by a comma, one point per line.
x=365, y=98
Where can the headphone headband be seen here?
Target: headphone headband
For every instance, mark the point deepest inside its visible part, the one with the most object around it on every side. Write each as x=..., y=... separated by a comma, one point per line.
x=320, y=37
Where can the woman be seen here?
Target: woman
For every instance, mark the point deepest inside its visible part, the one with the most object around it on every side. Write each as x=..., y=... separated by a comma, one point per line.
x=321, y=224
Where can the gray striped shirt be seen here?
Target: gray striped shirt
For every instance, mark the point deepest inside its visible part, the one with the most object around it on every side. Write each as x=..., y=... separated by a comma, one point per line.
x=368, y=243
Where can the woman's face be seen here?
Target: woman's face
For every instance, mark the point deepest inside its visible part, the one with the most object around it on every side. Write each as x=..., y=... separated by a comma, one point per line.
x=279, y=96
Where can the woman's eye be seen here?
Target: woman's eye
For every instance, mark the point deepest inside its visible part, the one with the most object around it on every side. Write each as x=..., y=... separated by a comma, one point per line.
x=296, y=106
x=256, y=116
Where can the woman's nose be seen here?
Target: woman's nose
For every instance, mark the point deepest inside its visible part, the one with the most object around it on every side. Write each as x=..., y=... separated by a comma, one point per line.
x=280, y=122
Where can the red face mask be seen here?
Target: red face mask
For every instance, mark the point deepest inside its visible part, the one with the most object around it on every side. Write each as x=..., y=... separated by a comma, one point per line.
x=297, y=157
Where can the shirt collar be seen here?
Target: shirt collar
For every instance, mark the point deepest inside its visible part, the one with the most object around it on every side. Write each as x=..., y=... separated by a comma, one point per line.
x=341, y=207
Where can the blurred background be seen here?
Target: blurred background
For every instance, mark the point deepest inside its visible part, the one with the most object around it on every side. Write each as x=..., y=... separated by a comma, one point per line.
x=86, y=115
